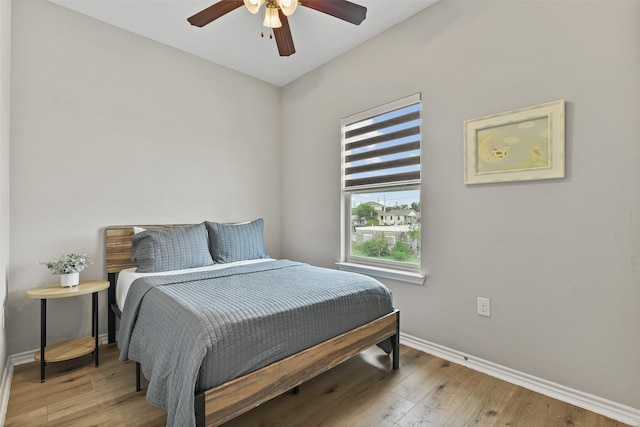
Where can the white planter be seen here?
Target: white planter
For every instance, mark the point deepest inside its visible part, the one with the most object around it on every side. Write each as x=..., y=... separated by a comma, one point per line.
x=69, y=280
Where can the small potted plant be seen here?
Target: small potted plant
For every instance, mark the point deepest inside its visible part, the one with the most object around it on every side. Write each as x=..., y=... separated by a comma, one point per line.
x=68, y=267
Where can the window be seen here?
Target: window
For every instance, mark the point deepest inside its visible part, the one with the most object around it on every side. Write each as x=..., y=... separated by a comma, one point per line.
x=381, y=176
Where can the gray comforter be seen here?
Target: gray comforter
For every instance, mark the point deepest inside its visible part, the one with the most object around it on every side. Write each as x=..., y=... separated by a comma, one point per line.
x=192, y=332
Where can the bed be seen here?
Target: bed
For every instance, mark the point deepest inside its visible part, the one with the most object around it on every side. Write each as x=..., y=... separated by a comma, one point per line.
x=215, y=398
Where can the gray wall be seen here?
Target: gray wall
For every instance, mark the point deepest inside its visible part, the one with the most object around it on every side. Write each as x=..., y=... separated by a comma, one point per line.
x=112, y=128
x=5, y=124
x=559, y=259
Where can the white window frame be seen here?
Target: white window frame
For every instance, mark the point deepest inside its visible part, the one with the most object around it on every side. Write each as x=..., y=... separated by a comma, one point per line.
x=396, y=270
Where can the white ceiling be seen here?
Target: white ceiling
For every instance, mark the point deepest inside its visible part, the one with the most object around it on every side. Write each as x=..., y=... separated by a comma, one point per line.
x=234, y=40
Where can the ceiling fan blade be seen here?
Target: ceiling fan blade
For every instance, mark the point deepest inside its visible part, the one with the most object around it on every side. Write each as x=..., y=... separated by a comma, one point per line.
x=214, y=12
x=342, y=9
x=284, y=40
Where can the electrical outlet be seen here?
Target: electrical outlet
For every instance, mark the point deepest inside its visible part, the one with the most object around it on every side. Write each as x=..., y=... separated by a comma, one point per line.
x=484, y=307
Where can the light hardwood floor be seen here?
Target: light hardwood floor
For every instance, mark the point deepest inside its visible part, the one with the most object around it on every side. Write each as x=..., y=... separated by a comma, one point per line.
x=363, y=391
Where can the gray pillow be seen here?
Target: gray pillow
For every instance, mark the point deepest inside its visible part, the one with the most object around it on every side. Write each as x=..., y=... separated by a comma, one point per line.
x=163, y=249
x=236, y=242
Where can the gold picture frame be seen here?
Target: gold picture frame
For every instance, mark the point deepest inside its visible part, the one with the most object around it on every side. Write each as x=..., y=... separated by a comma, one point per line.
x=519, y=145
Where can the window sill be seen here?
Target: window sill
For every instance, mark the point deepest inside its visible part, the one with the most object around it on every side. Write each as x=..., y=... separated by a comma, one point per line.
x=387, y=273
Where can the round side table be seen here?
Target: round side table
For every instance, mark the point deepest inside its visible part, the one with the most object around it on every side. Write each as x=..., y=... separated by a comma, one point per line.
x=76, y=347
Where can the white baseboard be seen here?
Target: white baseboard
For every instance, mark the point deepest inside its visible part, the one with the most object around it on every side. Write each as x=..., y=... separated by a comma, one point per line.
x=5, y=389
x=22, y=358
x=599, y=405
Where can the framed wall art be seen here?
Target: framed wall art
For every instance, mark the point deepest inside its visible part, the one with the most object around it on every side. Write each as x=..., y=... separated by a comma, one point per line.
x=519, y=145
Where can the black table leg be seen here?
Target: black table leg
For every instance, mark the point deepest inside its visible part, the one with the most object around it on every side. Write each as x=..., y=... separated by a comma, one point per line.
x=43, y=335
x=94, y=323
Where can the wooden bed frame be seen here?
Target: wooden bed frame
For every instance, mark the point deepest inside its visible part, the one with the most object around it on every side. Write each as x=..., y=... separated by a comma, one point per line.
x=226, y=401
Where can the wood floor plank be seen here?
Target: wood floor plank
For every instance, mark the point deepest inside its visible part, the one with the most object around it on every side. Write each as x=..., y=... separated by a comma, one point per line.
x=411, y=360
x=363, y=391
x=443, y=401
x=125, y=410
x=526, y=409
x=74, y=386
x=29, y=417
x=421, y=382
x=484, y=405
x=109, y=379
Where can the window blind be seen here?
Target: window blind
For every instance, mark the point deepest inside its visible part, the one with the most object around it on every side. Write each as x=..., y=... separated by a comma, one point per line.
x=382, y=147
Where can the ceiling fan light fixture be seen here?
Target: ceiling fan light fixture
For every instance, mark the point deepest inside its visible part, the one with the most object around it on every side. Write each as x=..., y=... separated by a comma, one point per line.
x=253, y=5
x=271, y=17
x=287, y=6
x=341, y=9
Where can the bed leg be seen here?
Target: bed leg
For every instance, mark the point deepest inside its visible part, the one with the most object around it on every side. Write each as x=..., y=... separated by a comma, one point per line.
x=199, y=409
x=111, y=316
x=396, y=343
x=138, y=388
x=296, y=390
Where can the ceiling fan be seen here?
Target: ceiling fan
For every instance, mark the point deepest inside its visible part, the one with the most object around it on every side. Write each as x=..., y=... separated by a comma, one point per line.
x=276, y=14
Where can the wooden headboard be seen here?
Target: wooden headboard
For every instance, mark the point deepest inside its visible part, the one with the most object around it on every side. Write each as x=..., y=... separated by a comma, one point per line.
x=118, y=254
x=118, y=245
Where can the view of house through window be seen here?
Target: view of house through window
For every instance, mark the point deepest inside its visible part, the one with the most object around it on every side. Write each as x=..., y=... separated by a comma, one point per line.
x=386, y=225
x=381, y=185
